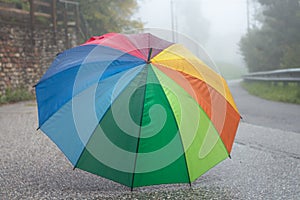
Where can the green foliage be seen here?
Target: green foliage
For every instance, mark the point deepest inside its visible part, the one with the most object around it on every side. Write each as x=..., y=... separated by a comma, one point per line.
x=15, y=95
x=291, y=56
x=109, y=16
x=21, y=4
x=276, y=43
x=289, y=92
x=102, y=16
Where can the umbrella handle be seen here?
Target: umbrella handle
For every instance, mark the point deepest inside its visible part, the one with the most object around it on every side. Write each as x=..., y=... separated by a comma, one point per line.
x=149, y=56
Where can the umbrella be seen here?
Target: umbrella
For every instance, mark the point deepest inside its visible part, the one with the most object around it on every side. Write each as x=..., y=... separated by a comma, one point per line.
x=137, y=109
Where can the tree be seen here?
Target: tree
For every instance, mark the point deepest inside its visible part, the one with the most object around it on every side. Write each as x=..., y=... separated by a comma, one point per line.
x=276, y=43
x=192, y=20
x=109, y=15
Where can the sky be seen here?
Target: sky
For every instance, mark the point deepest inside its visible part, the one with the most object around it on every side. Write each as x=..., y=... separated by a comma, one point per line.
x=217, y=25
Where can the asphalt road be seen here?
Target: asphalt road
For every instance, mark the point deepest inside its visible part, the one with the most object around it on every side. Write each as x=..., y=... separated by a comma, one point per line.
x=265, y=162
x=255, y=110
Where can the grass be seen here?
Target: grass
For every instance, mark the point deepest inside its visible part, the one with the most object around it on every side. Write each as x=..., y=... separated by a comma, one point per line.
x=15, y=95
x=289, y=92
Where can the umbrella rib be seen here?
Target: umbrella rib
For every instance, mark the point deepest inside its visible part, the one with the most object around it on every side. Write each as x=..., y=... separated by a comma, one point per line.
x=203, y=80
x=226, y=95
x=211, y=122
x=185, y=160
x=140, y=129
x=131, y=42
x=99, y=123
x=187, y=169
x=206, y=103
x=98, y=81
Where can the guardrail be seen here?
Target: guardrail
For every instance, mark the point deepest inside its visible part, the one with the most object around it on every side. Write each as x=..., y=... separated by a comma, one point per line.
x=284, y=75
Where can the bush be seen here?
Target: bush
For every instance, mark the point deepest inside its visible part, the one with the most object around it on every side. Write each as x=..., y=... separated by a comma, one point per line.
x=16, y=95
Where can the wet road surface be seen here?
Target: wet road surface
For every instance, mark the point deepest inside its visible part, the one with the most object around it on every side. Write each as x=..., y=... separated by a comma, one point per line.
x=254, y=110
x=265, y=163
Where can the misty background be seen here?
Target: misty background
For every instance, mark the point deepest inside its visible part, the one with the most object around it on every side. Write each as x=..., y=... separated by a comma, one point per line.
x=217, y=25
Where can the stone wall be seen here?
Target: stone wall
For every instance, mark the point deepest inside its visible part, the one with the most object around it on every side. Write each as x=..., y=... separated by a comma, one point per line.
x=21, y=62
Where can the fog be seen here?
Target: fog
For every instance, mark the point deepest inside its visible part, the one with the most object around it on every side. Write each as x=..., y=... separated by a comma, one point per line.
x=217, y=25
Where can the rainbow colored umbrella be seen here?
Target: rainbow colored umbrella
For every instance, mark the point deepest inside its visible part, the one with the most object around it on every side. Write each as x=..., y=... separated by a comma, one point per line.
x=137, y=110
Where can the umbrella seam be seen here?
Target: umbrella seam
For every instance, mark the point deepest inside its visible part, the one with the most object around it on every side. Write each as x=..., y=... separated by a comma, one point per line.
x=134, y=45
x=185, y=160
x=84, y=62
x=79, y=65
x=219, y=134
x=162, y=50
x=101, y=120
x=138, y=142
x=149, y=42
x=226, y=95
x=166, y=66
x=97, y=82
x=51, y=66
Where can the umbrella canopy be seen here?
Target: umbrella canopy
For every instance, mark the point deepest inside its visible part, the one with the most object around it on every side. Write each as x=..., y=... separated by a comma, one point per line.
x=137, y=109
